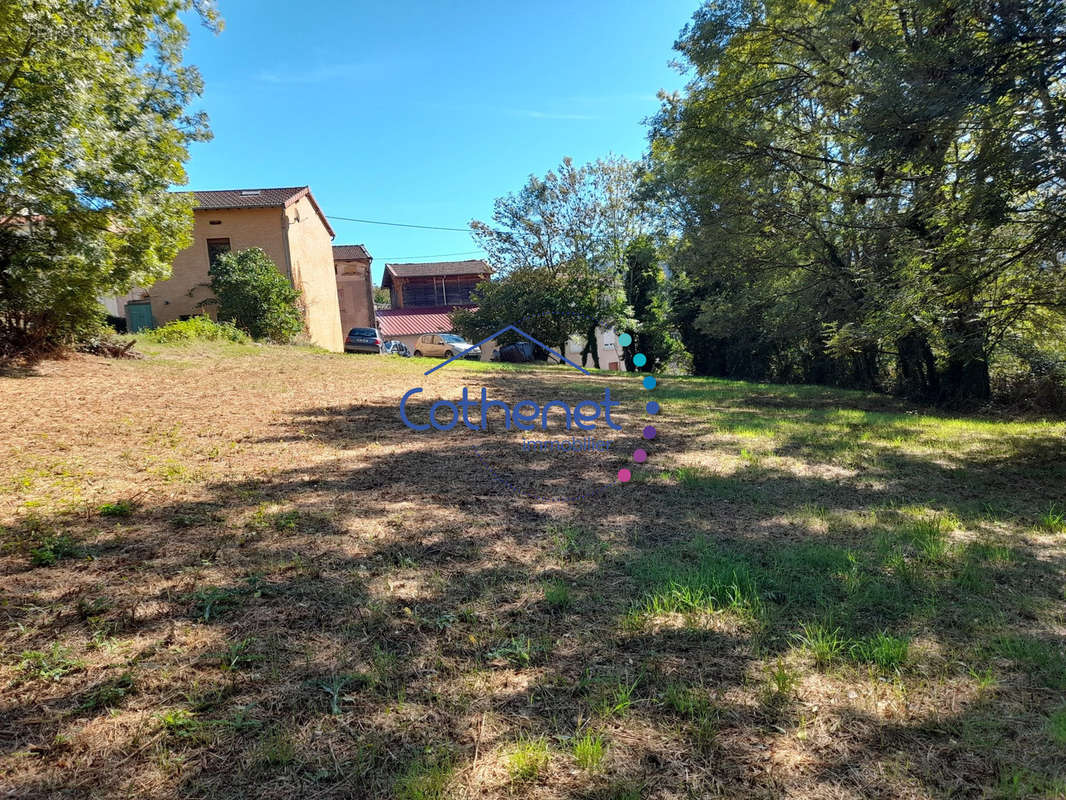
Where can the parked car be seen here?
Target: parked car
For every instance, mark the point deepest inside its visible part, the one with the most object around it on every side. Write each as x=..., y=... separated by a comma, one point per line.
x=445, y=345
x=395, y=348
x=362, y=340
x=514, y=353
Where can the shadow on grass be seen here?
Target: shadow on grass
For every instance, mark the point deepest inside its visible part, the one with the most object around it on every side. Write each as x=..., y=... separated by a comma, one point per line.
x=359, y=627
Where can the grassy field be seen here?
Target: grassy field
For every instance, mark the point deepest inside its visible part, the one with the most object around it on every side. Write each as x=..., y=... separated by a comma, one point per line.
x=229, y=571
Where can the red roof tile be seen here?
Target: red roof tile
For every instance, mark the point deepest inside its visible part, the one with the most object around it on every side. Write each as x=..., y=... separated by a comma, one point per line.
x=413, y=321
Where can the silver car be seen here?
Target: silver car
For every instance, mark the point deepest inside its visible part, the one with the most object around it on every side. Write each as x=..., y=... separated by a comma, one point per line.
x=444, y=345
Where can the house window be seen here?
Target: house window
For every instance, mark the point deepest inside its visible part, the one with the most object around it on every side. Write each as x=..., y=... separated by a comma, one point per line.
x=215, y=248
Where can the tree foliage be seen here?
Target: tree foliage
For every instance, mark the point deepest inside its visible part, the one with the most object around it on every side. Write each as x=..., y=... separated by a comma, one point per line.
x=566, y=233
x=93, y=132
x=868, y=193
x=252, y=294
x=645, y=292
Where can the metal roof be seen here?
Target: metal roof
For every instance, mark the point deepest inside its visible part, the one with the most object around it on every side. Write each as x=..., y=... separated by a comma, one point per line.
x=413, y=321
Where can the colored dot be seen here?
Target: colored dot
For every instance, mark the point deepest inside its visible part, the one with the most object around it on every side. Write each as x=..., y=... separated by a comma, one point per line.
x=640, y=455
x=649, y=382
x=649, y=432
x=640, y=360
x=625, y=339
x=623, y=475
x=652, y=407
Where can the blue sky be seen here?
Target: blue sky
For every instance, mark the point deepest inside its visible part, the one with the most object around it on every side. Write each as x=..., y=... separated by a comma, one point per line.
x=424, y=112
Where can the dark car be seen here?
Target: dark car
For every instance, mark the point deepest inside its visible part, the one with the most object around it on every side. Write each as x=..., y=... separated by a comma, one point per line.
x=395, y=348
x=515, y=353
x=363, y=340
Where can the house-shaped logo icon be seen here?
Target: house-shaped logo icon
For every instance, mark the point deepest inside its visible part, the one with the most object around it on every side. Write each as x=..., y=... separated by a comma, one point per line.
x=520, y=332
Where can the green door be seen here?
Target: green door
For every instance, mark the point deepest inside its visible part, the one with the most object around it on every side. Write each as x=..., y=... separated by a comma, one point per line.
x=139, y=316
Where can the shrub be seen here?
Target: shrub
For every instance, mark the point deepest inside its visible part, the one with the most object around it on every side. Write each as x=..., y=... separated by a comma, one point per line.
x=201, y=328
x=253, y=294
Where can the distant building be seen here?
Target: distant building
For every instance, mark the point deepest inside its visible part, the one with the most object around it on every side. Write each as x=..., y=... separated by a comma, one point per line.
x=355, y=286
x=423, y=295
x=285, y=223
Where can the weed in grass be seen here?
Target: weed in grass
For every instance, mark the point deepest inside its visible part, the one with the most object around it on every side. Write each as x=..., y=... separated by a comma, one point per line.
x=1056, y=726
x=53, y=548
x=825, y=644
x=985, y=679
x=781, y=681
x=612, y=698
x=182, y=723
x=884, y=650
x=573, y=543
x=120, y=508
x=48, y=665
x=1053, y=520
x=519, y=650
x=1042, y=660
x=239, y=655
x=276, y=748
x=557, y=596
x=686, y=700
x=527, y=759
x=589, y=750
x=333, y=689
x=928, y=537
x=426, y=778
x=213, y=602
x=713, y=583
x=109, y=694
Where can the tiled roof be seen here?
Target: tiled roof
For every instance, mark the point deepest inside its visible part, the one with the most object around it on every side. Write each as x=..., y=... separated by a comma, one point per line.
x=349, y=252
x=434, y=269
x=412, y=321
x=257, y=198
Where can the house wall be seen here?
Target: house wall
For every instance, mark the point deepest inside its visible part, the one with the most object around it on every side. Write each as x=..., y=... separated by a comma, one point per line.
x=295, y=239
x=606, y=346
x=355, y=293
x=310, y=252
x=189, y=283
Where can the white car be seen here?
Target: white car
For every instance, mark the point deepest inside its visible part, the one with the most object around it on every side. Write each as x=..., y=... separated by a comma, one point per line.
x=445, y=345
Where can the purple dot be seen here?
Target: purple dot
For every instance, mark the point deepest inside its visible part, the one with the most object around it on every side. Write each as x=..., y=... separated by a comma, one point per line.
x=623, y=475
x=652, y=407
x=649, y=432
x=640, y=455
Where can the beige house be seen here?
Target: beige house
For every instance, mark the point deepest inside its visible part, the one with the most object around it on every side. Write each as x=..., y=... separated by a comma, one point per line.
x=285, y=223
x=355, y=286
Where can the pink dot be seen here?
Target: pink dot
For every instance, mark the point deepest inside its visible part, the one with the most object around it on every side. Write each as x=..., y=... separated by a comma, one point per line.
x=640, y=455
x=624, y=476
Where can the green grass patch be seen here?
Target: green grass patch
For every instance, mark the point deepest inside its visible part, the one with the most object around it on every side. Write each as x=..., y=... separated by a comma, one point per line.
x=527, y=759
x=589, y=750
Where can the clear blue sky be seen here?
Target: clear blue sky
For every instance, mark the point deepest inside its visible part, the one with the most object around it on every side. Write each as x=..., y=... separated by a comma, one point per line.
x=424, y=112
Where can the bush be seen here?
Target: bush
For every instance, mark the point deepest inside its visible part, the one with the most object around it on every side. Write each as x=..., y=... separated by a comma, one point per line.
x=200, y=328
x=255, y=296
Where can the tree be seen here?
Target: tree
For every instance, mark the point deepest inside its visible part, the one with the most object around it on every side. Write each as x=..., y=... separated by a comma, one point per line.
x=644, y=283
x=573, y=225
x=549, y=307
x=867, y=194
x=93, y=132
x=252, y=294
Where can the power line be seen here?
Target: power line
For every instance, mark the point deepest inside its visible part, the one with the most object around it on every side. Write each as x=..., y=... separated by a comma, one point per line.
x=431, y=255
x=400, y=224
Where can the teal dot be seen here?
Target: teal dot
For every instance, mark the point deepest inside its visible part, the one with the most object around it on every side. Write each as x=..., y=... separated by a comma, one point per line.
x=649, y=382
x=625, y=339
x=640, y=359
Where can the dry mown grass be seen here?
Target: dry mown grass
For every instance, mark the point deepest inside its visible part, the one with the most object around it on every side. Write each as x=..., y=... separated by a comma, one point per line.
x=229, y=571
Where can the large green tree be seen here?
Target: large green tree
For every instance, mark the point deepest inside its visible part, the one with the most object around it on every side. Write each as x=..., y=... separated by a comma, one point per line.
x=251, y=292
x=94, y=129
x=573, y=225
x=868, y=192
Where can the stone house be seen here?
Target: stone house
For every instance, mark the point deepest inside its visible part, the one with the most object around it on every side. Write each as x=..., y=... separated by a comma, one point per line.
x=286, y=223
